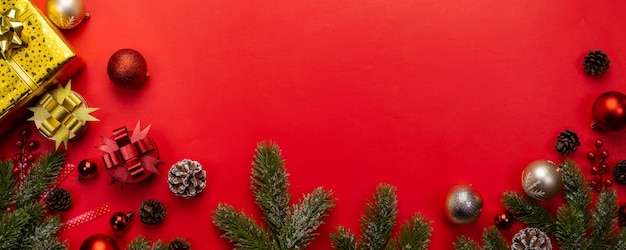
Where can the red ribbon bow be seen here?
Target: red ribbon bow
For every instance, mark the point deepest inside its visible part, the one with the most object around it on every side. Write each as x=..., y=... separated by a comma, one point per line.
x=130, y=155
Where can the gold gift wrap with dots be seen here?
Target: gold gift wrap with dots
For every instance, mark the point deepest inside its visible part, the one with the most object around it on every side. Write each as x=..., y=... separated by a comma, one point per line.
x=44, y=59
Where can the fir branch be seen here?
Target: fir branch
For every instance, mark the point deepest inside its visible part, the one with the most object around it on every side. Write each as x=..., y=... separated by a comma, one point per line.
x=577, y=192
x=290, y=227
x=141, y=243
x=493, y=240
x=45, y=235
x=270, y=186
x=305, y=217
x=571, y=227
x=8, y=186
x=529, y=212
x=11, y=229
x=414, y=234
x=41, y=176
x=603, y=220
x=465, y=243
x=343, y=239
x=379, y=218
x=239, y=229
x=619, y=242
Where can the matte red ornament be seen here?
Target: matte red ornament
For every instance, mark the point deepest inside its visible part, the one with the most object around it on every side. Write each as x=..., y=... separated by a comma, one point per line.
x=127, y=68
x=609, y=111
x=99, y=242
x=87, y=169
x=504, y=220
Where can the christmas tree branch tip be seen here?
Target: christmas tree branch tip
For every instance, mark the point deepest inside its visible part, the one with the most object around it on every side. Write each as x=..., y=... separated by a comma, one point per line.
x=288, y=226
x=377, y=224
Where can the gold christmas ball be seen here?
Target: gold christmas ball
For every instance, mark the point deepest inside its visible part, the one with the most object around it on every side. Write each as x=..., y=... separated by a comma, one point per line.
x=66, y=14
x=541, y=180
x=463, y=204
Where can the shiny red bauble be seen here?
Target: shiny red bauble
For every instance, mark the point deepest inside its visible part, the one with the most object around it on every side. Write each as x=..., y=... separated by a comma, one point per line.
x=609, y=111
x=99, y=242
x=87, y=169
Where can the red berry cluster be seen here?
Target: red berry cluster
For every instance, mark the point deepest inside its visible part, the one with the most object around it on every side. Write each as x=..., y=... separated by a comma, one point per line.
x=24, y=159
x=599, y=166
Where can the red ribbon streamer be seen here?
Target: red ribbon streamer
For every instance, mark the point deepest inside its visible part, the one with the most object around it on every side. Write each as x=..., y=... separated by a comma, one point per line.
x=85, y=217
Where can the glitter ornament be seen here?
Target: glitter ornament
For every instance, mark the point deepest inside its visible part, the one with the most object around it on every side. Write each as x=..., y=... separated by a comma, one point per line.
x=541, y=180
x=127, y=68
x=463, y=204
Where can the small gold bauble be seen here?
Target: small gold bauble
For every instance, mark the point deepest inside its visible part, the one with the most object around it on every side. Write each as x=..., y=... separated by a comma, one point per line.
x=541, y=180
x=66, y=14
x=463, y=204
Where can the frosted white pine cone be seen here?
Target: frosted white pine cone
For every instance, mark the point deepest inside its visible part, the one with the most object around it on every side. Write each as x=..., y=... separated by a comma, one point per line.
x=531, y=239
x=186, y=178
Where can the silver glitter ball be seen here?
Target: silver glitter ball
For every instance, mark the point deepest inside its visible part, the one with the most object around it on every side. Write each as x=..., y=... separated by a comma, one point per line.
x=463, y=204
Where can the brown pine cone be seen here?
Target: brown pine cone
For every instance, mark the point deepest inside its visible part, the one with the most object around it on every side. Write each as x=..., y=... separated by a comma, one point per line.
x=531, y=239
x=566, y=142
x=596, y=63
x=151, y=212
x=619, y=172
x=179, y=244
x=186, y=178
x=59, y=199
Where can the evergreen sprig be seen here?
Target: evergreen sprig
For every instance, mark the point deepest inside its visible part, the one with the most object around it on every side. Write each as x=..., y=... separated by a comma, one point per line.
x=289, y=226
x=24, y=222
x=491, y=238
x=141, y=243
x=576, y=225
x=377, y=224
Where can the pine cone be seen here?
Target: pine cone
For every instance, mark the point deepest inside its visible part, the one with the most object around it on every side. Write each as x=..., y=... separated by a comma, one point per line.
x=152, y=212
x=619, y=172
x=531, y=239
x=596, y=63
x=567, y=142
x=179, y=244
x=59, y=199
x=186, y=178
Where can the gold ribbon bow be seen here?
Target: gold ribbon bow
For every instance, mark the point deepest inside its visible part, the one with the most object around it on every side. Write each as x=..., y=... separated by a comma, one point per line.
x=10, y=33
x=62, y=116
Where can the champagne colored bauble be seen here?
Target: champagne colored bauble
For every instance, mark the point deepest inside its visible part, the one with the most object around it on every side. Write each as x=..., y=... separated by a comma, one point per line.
x=609, y=111
x=66, y=14
x=127, y=68
x=541, y=180
x=99, y=242
x=463, y=204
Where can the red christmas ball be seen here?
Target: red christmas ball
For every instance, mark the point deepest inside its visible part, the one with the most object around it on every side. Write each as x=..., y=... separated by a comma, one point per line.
x=87, y=169
x=609, y=111
x=119, y=221
x=99, y=242
x=504, y=220
x=127, y=68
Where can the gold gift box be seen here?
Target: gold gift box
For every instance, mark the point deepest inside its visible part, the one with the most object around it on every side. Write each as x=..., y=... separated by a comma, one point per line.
x=45, y=60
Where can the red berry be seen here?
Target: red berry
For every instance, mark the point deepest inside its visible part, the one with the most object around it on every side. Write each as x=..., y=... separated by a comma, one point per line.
x=604, y=154
x=594, y=170
x=593, y=183
x=591, y=156
x=604, y=167
x=608, y=182
x=29, y=158
x=32, y=145
x=599, y=143
x=15, y=170
x=25, y=132
x=17, y=157
x=19, y=144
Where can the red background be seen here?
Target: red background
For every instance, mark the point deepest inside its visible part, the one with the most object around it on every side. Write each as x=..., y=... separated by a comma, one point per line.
x=422, y=95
